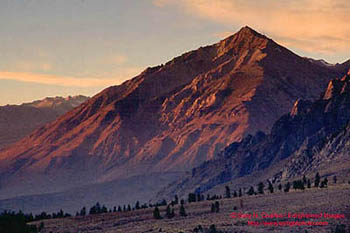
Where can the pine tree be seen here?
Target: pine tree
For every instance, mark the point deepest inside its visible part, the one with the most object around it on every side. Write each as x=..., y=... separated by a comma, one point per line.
x=304, y=180
x=93, y=210
x=261, y=188
x=176, y=200
x=308, y=183
x=251, y=191
x=212, y=229
x=334, y=179
x=217, y=207
x=119, y=209
x=98, y=208
x=317, y=179
x=163, y=203
x=324, y=183
x=198, y=197
x=169, y=212
x=287, y=187
x=182, y=211
x=60, y=214
x=191, y=197
x=235, y=194
x=156, y=213
x=212, y=209
x=298, y=184
x=129, y=207
x=83, y=211
x=137, y=205
x=280, y=187
x=270, y=187
x=227, y=192
x=240, y=192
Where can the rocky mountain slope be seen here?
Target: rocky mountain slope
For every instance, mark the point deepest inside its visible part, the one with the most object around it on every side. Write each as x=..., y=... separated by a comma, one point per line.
x=313, y=137
x=17, y=121
x=169, y=118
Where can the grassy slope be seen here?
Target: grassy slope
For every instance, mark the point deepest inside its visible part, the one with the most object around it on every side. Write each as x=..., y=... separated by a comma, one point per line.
x=334, y=199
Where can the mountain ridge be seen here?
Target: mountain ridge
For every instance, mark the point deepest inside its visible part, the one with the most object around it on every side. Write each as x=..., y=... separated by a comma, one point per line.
x=313, y=137
x=17, y=121
x=169, y=118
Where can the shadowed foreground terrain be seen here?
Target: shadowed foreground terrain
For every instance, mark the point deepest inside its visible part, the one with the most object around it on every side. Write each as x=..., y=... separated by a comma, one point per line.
x=331, y=200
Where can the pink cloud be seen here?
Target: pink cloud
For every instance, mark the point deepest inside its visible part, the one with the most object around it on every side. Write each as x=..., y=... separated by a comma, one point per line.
x=309, y=25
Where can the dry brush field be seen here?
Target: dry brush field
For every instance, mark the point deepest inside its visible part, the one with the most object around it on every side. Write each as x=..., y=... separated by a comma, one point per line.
x=333, y=200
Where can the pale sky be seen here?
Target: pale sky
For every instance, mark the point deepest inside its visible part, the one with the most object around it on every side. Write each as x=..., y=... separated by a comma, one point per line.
x=70, y=47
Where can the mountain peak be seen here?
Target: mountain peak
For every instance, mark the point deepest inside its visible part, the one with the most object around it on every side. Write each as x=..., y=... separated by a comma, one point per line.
x=246, y=39
x=246, y=30
x=246, y=33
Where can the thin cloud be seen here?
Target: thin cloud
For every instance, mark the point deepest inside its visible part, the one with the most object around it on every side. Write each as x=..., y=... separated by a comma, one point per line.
x=33, y=66
x=161, y=3
x=69, y=81
x=300, y=22
x=118, y=59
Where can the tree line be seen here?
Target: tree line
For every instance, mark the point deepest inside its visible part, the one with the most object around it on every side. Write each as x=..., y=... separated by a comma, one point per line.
x=17, y=222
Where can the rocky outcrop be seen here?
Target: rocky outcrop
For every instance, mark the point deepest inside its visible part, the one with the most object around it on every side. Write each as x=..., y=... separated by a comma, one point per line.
x=300, y=107
x=312, y=136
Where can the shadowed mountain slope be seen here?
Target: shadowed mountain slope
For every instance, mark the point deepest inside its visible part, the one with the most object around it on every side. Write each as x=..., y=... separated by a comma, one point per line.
x=313, y=137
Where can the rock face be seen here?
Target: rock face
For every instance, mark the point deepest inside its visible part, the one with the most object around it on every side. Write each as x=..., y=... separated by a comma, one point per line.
x=313, y=136
x=17, y=121
x=170, y=117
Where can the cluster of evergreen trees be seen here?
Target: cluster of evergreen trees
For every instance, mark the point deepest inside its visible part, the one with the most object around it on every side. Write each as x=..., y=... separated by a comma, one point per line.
x=260, y=189
x=100, y=209
x=170, y=212
x=11, y=222
x=211, y=229
x=296, y=184
x=192, y=197
x=20, y=217
x=228, y=193
x=43, y=215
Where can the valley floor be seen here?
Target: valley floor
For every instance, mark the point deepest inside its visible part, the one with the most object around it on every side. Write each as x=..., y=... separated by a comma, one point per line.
x=331, y=200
